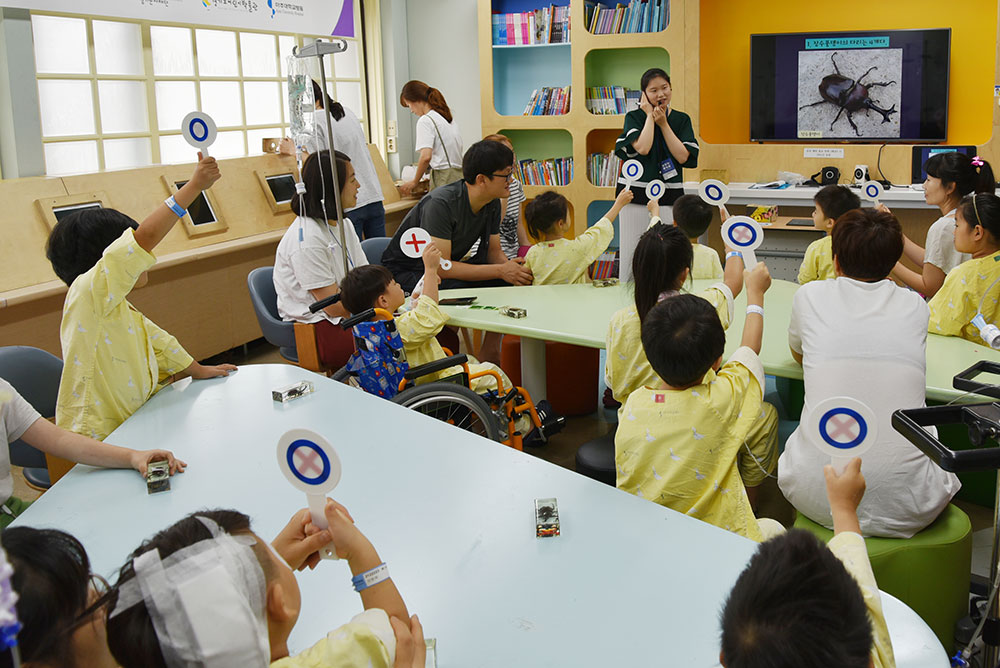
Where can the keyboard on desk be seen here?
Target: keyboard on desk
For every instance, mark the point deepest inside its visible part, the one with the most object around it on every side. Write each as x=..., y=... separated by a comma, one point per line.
x=800, y=222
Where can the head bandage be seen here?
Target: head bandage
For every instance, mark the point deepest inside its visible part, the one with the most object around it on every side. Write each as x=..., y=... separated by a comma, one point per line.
x=206, y=602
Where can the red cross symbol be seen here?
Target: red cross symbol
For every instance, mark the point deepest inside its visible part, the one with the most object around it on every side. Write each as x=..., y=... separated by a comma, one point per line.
x=305, y=461
x=843, y=428
x=415, y=242
x=742, y=234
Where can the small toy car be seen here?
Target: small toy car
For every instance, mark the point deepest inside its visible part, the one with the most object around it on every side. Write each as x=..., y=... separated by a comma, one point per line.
x=158, y=477
x=546, y=518
x=514, y=312
x=293, y=391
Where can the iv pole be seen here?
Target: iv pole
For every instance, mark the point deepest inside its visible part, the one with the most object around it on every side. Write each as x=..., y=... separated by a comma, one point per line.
x=317, y=50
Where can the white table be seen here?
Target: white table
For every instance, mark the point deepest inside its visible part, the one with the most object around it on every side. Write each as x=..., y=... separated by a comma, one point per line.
x=897, y=197
x=627, y=583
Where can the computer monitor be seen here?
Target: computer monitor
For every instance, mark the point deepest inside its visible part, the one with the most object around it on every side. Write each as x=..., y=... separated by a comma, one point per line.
x=200, y=210
x=282, y=187
x=61, y=212
x=922, y=153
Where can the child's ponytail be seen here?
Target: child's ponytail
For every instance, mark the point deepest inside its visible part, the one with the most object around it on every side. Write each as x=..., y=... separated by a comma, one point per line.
x=985, y=181
x=660, y=258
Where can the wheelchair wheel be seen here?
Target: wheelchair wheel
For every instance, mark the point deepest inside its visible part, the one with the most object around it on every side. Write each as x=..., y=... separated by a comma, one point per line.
x=453, y=404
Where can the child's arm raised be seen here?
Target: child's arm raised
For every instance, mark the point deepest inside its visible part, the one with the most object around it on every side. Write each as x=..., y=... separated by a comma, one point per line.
x=49, y=438
x=733, y=269
x=624, y=197
x=152, y=230
x=845, y=492
x=361, y=556
x=758, y=281
x=432, y=262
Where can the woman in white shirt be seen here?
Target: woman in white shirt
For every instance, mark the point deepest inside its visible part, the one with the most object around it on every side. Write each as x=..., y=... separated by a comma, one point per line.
x=862, y=336
x=309, y=262
x=950, y=177
x=368, y=214
x=437, y=137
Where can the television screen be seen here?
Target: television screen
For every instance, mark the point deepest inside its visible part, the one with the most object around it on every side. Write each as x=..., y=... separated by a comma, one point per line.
x=200, y=210
x=875, y=86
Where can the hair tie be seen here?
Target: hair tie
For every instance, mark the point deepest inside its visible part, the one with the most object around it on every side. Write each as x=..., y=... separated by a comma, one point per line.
x=977, y=161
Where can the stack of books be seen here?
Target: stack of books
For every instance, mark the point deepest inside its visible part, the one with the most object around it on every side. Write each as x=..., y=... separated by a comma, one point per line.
x=605, y=266
x=552, y=172
x=611, y=99
x=602, y=169
x=542, y=26
x=636, y=16
x=548, y=102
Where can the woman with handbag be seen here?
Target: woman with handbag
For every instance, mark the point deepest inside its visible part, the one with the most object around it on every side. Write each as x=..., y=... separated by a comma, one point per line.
x=662, y=139
x=437, y=136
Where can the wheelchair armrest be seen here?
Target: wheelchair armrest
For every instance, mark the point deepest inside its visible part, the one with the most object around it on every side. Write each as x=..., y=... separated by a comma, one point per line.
x=436, y=365
x=364, y=316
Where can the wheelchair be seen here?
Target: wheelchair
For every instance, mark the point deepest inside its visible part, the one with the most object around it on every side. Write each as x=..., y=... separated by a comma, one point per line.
x=378, y=366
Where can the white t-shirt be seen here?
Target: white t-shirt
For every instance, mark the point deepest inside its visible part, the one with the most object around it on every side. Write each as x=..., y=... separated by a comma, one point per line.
x=866, y=341
x=309, y=257
x=16, y=415
x=349, y=138
x=939, y=248
x=427, y=137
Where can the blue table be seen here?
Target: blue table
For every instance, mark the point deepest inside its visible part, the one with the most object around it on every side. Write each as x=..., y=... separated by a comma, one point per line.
x=627, y=583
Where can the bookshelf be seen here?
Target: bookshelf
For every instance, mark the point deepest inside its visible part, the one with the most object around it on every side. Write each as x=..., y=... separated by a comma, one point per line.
x=510, y=74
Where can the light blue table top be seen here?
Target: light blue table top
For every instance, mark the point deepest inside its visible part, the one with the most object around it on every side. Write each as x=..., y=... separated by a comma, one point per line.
x=627, y=583
x=579, y=314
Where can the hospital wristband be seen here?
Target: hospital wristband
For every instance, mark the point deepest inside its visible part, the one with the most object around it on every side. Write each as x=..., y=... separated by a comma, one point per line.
x=175, y=207
x=753, y=308
x=370, y=578
x=734, y=254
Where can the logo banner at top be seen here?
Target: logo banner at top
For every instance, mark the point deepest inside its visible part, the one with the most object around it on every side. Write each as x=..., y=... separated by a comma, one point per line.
x=308, y=17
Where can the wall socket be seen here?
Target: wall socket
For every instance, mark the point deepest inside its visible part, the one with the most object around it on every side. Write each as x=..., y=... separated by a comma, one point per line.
x=391, y=129
x=390, y=144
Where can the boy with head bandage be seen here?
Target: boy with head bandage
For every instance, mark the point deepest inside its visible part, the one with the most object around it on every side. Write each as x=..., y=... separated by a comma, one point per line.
x=209, y=592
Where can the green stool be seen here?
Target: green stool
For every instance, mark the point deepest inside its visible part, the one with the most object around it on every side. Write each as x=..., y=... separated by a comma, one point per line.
x=929, y=572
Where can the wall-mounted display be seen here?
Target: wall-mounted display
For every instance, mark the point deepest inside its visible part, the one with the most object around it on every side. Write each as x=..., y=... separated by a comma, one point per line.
x=873, y=86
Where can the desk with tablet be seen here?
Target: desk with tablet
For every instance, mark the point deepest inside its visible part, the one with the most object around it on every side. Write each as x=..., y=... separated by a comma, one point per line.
x=627, y=583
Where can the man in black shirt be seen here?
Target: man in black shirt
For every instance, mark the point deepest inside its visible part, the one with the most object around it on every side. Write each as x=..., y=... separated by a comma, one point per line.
x=457, y=216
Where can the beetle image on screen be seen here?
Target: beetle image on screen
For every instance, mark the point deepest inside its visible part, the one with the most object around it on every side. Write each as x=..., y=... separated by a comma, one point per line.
x=850, y=96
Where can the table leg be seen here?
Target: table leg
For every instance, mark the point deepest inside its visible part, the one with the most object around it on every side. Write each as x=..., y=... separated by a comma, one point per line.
x=533, y=367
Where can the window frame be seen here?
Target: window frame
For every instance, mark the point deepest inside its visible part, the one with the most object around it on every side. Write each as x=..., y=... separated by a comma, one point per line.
x=149, y=80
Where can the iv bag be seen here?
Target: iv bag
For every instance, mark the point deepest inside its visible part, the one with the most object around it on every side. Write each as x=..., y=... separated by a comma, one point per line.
x=301, y=103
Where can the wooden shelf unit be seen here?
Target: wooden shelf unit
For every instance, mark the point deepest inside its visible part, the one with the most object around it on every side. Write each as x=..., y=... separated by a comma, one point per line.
x=578, y=122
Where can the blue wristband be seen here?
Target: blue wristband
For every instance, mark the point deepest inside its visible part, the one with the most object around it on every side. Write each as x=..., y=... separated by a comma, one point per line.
x=734, y=254
x=175, y=207
x=370, y=578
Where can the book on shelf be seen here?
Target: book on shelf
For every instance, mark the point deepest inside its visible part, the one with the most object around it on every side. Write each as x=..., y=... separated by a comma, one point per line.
x=605, y=265
x=548, y=102
x=603, y=168
x=551, y=172
x=603, y=100
x=633, y=17
x=549, y=25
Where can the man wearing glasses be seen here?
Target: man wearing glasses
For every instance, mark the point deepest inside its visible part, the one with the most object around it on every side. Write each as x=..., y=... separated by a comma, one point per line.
x=463, y=219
